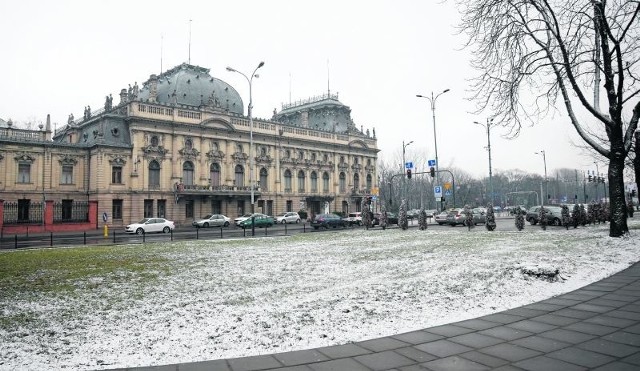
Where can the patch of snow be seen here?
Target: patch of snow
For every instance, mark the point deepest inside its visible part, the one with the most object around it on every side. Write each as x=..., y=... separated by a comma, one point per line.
x=204, y=300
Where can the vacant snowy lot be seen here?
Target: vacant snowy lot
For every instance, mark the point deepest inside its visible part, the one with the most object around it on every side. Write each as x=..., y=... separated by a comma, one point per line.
x=134, y=305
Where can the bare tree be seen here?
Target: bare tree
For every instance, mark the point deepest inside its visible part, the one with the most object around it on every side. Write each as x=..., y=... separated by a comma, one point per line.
x=558, y=50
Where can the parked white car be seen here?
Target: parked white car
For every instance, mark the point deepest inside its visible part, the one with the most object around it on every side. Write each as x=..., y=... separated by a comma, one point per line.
x=289, y=217
x=237, y=221
x=214, y=220
x=151, y=225
x=353, y=219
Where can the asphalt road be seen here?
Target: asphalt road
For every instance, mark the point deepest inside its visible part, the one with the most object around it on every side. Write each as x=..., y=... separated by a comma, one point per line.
x=118, y=236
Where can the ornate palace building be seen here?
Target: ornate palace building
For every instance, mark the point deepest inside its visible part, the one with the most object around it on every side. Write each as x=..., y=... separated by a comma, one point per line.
x=178, y=147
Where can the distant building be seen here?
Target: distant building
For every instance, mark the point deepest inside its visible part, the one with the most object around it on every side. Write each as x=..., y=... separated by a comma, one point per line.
x=178, y=146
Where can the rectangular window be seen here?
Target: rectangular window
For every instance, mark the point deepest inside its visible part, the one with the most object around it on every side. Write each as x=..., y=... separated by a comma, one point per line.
x=289, y=206
x=314, y=185
x=24, y=173
x=116, y=209
x=216, y=207
x=162, y=208
x=148, y=208
x=188, y=209
x=240, y=207
x=325, y=185
x=67, y=210
x=67, y=174
x=23, y=210
x=116, y=174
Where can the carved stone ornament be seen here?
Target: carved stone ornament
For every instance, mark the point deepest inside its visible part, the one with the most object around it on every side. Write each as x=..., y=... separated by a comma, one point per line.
x=151, y=149
x=356, y=168
x=264, y=159
x=369, y=169
x=117, y=160
x=343, y=166
x=1, y=157
x=67, y=160
x=239, y=157
x=215, y=155
x=189, y=153
x=25, y=157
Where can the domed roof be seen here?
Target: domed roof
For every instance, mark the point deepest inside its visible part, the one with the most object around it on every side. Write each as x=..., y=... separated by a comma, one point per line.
x=193, y=86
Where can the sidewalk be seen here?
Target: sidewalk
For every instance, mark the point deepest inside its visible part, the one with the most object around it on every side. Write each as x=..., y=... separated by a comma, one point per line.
x=596, y=327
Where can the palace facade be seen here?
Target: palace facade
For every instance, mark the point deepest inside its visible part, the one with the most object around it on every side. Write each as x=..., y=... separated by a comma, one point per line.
x=179, y=147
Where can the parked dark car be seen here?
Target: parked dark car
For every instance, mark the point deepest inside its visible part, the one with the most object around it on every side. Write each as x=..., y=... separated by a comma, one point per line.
x=554, y=215
x=326, y=221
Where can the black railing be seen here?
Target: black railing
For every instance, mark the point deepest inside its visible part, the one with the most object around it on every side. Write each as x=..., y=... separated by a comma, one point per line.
x=23, y=212
x=71, y=212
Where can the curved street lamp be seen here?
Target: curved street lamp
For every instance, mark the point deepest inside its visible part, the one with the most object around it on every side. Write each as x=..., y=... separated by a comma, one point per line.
x=404, y=170
x=432, y=100
x=546, y=183
x=251, y=157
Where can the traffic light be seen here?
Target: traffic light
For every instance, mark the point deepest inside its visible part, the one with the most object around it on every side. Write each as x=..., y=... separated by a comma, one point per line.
x=409, y=173
x=432, y=171
x=633, y=193
x=590, y=178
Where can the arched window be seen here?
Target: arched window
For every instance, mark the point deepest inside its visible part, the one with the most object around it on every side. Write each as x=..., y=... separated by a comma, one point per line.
x=343, y=183
x=301, y=181
x=356, y=182
x=314, y=182
x=214, y=174
x=368, y=183
x=239, y=176
x=287, y=180
x=187, y=173
x=154, y=174
x=325, y=182
x=263, y=179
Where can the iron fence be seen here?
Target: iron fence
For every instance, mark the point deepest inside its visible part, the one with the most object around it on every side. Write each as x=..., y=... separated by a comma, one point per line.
x=22, y=212
x=70, y=212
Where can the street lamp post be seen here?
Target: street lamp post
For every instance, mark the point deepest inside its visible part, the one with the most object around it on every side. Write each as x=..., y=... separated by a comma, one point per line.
x=432, y=100
x=488, y=127
x=546, y=184
x=251, y=157
x=404, y=163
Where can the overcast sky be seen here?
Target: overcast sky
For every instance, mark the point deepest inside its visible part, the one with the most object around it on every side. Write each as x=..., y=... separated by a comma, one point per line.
x=59, y=56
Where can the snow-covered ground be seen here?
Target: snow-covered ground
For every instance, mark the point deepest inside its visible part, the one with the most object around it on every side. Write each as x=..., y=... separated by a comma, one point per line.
x=202, y=300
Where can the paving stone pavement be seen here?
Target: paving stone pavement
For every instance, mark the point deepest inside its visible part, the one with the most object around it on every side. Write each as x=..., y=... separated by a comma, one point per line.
x=596, y=327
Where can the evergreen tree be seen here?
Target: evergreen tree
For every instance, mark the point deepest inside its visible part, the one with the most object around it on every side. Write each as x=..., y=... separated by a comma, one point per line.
x=366, y=213
x=542, y=215
x=520, y=218
x=566, y=220
x=583, y=215
x=402, y=215
x=491, y=219
x=468, y=217
x=383, y=219
x=576, y=215
x=422, y=220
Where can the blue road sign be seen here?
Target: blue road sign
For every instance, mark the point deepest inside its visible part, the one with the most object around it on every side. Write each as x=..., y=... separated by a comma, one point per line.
x=447, y=192
x=408, y=165
x=437, y=191
x=431, y=162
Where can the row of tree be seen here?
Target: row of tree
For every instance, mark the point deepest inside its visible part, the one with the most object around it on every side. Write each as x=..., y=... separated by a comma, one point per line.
x=510, y=188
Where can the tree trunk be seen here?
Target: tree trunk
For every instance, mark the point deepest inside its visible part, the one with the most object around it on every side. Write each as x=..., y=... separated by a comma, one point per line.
x=618, y=206
x=636, y=162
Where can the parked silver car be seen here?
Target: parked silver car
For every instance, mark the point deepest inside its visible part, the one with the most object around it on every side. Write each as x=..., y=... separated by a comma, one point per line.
x=457, y=216
x=288, y=217
x=212, y=220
